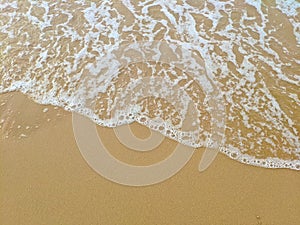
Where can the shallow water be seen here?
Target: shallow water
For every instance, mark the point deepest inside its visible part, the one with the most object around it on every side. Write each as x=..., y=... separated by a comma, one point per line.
x=80, y=56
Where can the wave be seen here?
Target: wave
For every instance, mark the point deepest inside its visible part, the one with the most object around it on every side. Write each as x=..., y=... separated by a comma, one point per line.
x=232, y=60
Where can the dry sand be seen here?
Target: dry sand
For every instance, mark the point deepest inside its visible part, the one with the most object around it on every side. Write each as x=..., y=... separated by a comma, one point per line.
x=45, y=180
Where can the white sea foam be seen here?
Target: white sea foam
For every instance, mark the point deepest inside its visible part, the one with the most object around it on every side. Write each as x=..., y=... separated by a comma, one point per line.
x=62, y=53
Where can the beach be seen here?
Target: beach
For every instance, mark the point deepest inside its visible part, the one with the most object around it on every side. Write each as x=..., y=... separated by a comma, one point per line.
x=45, y=180
x=217, y=82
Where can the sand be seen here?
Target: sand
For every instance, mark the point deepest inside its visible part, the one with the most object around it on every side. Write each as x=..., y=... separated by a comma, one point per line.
x=45, y=180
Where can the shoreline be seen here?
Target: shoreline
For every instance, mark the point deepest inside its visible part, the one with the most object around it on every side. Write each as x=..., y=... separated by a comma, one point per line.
x=45, y=180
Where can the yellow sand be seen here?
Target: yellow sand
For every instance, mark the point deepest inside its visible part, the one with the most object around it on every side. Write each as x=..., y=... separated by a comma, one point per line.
x=45, y=180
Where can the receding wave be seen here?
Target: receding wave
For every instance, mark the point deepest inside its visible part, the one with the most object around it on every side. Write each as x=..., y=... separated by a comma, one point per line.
x=239, y=58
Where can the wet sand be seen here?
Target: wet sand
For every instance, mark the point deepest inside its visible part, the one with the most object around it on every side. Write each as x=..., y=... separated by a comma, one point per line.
x=45, y=180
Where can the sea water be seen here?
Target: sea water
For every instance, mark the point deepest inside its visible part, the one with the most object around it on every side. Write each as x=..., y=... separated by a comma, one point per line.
x=236, y=62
